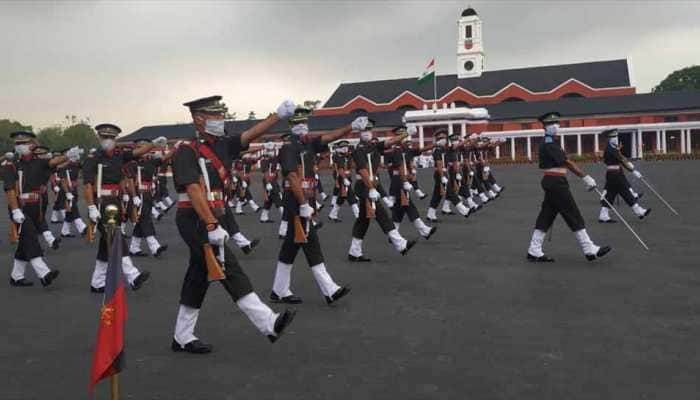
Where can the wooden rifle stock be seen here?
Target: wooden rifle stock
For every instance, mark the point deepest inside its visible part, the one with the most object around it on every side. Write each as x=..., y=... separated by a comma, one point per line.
x=14, y=236
x=90, y=232
x=370, y=209
x=214, y=270
x=299, y=231
x=404, y=198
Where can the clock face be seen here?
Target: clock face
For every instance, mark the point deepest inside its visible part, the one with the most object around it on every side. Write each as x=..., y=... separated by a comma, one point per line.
x=469, y=65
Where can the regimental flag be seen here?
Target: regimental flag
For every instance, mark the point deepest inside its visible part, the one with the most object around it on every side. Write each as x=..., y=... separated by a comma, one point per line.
x=429, y=74
x=109, y=350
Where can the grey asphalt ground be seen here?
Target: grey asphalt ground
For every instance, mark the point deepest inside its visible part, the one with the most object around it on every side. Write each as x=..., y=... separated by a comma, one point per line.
x=463, y=316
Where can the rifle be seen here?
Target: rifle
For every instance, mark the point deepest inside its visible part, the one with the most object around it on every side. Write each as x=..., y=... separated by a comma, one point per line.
x=404, y=194
x=443, y=187
x=14, y=229
x=215, y=264
x=371, y=206
x=91, y=226
x=136, y=212
x=69, y=203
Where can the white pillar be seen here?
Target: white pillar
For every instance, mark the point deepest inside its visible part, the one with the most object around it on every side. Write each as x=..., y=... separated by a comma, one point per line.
x=658, y=140
x=578, y=144
x=450, y=129
x=563, y=143
x=682, y=141
x=498, y=152
x=663, y=141
x=596, y=145
x=421, y=142
x=689, y=143
x=640, y=144
x=512, y=148
x=464, y=129
x=529, y=148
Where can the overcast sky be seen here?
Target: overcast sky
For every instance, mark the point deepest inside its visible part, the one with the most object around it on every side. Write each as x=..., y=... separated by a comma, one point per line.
x=134, y=63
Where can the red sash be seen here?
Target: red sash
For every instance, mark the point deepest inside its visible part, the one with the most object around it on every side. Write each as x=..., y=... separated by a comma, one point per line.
x=209, y=154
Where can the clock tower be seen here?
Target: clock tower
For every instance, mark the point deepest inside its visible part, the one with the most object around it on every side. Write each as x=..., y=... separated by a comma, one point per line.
x=470, y=52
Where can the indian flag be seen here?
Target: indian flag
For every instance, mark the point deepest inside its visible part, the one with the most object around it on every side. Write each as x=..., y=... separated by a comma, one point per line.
x=428, y=74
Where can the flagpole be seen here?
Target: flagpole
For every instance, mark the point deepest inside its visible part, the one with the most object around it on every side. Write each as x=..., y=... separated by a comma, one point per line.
x=435, y=82
x=114, y=387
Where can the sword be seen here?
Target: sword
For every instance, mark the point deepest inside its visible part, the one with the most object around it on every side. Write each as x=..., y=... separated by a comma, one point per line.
x=138, y=189
x=70, y=187
x=658, y=195
x=20, y=175
x=621, y=219
x=371, y=176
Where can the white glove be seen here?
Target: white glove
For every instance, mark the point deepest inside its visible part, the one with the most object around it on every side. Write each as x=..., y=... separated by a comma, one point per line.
x=137, y=201
x=487, y=168
x=389, y=201
x=160, y=141
x=244, y=184
x=346, y=182
x=56, y=188
x=359, y=124
x=374, y=195
x=9, y=155
x=93, y=213
x=305, y=210
x=268, y=187
x=458, y=177
x=471, y=173
x=17, y=215
x=637, y=174
x=69, y=196
x=231, y=203
x=235, y=179
x=589, y=182
x=286, y=109
x=316, y=177
x=218, y=236
x=407, y=186
x=73, y=153
x=444, y=180
x=125, y=198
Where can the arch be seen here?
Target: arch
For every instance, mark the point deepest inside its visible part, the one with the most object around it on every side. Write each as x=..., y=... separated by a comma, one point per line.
x=406, y=107
x=571, y=95
x=512, y=100
x=460, y=103
x=358, y=111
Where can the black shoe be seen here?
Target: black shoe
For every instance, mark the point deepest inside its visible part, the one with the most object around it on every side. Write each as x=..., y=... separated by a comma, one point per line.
x=541, y=259
x=318, y=225
x=68, y=235
x=603, y=251
x=291, y=299
x=431, y=233
x=97, y=290
x=249, y=248
x=433, y=220
x=140, y=280
x=160, y=216
x=282, y=322
x=338, y=294
x=268, y=221
x=139, y=253
x=84, y=231
x=645, y=213
x=280, y=237
x=56, y=244
x=194, y=347
x=161, y=250
x=46, y=280
x=640, y=195
x=409, y=244
x=447, y=213
x=352, y=258
x=21, y=282
x=56, y=222
x=608, y=221
x=423, y=196
x=257, y=210
x=336, y=220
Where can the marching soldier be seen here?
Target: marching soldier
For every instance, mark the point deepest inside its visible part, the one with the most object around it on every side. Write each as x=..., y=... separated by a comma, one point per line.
x=440, y=179
x=43, y=153
x=269, y=166
x=342, y=174
x=400, y=163
x=141, y=172
x=69, y=173
x=447, y=176
x=297, y=163
x=615, y=181
x=367, y=157
x=558, y=198
x=103, y=177
x=161, y=198
x=23, y=179
x=201, y=171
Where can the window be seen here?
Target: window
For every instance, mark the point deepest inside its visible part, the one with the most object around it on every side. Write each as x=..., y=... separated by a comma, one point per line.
x=359, y=111
x=406, y=107
x=469, y=65
x=512, y=100
x=571, y=95
x=460, y=103
x=468, y=32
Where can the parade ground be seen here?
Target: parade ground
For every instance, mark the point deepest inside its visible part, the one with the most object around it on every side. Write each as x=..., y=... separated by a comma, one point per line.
x=462, y=316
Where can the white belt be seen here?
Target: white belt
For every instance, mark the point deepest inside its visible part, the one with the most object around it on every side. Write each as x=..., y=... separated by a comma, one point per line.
x=218, y=195
x=359, y=177
x=556, y=171
x=613, y=167
x=30, y=196
x=109, y=192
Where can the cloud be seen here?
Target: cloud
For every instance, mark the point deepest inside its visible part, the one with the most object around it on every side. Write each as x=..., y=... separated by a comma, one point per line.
x=134, y=63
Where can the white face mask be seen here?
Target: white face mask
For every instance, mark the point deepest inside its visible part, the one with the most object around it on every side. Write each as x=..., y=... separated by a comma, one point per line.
x=107, y=144
x=441, y=142
x=551, y=130
x=342, y=150
x=366, y=136
x=614, y=142
x=214, y=127
x=300, y=129
x=23, y=149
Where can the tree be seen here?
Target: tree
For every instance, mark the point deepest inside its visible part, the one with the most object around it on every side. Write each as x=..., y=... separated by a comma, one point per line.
x=682, y=79
x=312, y=104
x=230, y=116
x=57, y=138
x=7, y=127
x=251, y=115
